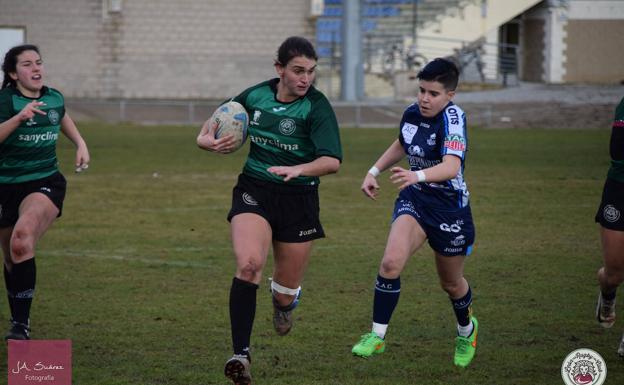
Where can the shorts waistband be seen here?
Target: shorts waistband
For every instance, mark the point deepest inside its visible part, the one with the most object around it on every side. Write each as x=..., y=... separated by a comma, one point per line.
x=277, y=187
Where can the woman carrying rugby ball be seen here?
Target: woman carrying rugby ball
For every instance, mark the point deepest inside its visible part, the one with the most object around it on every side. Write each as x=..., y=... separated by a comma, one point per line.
x=294, y=140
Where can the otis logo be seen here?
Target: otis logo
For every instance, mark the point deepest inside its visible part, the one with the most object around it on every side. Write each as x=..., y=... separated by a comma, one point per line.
x=453, y=115
x=584, y=367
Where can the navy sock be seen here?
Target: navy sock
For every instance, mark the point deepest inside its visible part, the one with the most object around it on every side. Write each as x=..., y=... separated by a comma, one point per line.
x=461, y=306
x=386, y=298
x=22, y=283
x=242, y=314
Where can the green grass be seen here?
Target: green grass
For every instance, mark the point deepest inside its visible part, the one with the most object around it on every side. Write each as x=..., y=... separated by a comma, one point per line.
x=137, y=271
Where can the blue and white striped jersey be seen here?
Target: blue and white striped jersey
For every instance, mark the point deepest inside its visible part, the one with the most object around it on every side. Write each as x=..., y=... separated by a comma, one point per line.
x=426, y=141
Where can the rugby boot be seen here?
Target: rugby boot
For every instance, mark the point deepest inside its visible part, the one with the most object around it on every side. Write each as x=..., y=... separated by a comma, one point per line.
x=369, y=344
x=466, y=347
x=605, y=312
x=237, y=369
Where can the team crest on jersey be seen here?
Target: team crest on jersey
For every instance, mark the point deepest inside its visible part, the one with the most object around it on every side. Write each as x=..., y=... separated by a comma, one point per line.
x=287, y=126
x=455, y=142
x=54, y=116
x=432, y=139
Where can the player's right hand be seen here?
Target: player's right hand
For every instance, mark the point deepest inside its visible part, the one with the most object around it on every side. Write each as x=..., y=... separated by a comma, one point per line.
x=370, y=187
x=29, y=111
x=206, y=139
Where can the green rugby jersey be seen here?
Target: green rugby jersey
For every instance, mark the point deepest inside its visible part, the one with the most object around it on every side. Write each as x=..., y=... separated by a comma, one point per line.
x=288, y=134
x=29, y=152
x=616, y=171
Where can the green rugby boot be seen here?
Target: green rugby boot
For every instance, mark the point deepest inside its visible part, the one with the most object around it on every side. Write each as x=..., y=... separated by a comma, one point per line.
x=465, y=347
x=369, y=344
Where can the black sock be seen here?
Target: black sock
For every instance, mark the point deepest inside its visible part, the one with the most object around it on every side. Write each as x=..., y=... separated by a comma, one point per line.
x=609, y=296
x=22, y=283
x=242, y=314
x=8, y=283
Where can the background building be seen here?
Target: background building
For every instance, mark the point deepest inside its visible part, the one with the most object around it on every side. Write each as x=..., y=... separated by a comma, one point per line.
x=212, y=49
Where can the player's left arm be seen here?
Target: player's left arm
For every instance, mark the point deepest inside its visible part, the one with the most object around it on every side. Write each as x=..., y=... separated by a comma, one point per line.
x=320, y=166
x=69, y=129
x=446, y=170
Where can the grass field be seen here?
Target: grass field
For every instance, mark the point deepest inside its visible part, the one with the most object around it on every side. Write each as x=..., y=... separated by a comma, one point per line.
x=137, y=271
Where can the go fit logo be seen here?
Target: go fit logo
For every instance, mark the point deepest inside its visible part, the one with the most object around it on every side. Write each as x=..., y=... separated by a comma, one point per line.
x=39, y=362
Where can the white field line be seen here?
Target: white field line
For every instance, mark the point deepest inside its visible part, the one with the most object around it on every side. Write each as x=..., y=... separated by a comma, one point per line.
x=162, y=262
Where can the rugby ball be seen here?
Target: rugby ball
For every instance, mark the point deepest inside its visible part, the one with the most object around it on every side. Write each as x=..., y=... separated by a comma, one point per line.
x=231, y=119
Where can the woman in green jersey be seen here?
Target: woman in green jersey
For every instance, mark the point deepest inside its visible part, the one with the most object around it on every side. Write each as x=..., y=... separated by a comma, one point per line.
x=294, y=140
x=610, y=215
x=31, y=187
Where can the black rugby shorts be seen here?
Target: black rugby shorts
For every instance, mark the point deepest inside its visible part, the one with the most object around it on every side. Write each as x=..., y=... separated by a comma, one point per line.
x=610, y=213
x=12, y=195
x=291, y=210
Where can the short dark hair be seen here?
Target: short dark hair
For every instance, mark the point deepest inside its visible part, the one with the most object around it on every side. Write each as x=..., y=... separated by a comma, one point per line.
x=295, y=46
x=10, y=62
x=441, y=70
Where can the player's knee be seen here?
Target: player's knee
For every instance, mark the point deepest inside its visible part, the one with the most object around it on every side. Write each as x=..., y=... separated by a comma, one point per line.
x=21, y=246
x=249, y=271
x=390, y=268
x=452, y=288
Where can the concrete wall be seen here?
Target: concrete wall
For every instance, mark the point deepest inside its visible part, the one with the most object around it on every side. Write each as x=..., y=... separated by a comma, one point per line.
x=157, y=48
x=595, y=43
x=581, y=41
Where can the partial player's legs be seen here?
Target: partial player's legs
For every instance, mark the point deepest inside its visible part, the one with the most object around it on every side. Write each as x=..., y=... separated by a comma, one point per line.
x=291, y=261
x=451, y=274
x=610, y=276
x=405, y=237
x=36, y=215
x=251, y=239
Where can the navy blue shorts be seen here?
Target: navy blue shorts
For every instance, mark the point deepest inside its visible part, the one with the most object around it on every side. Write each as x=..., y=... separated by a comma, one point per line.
x=449, y=233
x=291, y=210
x=12, y=195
